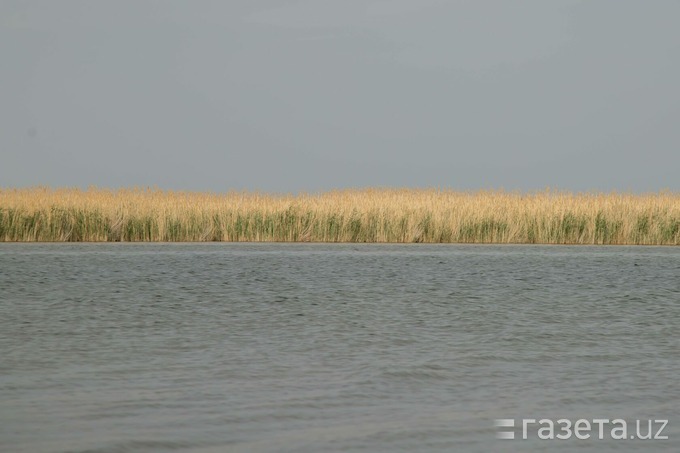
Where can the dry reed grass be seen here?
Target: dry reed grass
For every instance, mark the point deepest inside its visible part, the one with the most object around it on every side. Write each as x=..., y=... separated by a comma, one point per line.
x=369, y=215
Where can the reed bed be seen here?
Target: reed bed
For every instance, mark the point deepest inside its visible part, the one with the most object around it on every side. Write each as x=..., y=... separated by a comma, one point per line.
x=369, y=215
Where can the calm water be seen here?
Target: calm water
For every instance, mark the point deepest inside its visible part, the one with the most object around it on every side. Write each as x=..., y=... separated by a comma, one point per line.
x=319, y=348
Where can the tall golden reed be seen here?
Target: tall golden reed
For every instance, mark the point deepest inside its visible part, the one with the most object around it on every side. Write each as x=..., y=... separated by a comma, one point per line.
x=369, y=215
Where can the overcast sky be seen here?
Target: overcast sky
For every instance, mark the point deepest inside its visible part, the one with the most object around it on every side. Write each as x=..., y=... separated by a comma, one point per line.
x=309, y=95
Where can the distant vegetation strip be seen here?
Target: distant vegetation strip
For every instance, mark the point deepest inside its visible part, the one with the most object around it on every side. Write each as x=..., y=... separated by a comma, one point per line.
x=368, y=215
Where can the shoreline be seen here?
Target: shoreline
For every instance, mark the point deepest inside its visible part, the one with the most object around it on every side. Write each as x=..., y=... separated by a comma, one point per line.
x=414, y=244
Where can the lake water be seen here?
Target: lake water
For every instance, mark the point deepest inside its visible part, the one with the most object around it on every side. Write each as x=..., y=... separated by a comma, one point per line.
x=321, y=347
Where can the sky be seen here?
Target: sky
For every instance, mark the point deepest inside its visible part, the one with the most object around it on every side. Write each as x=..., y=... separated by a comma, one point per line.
x=295, y=96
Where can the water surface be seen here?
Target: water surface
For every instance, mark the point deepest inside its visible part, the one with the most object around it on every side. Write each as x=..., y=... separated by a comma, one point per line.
x=310, y=348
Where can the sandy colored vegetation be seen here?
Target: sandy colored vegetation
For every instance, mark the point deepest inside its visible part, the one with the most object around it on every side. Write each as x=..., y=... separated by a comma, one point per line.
x=368, y=215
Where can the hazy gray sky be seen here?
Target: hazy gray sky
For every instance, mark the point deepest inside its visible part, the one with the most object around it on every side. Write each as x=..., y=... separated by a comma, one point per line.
x=307, y=95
